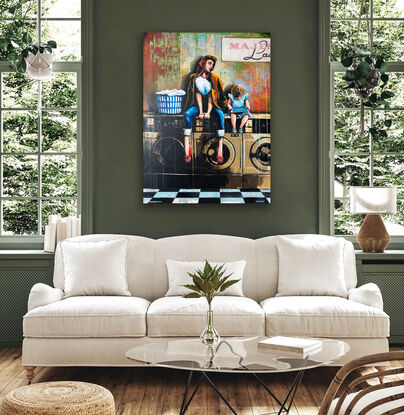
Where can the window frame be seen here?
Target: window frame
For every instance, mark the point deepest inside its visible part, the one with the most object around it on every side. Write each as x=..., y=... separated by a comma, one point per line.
x=83, y=68
x=59, y=67
x=327, y=71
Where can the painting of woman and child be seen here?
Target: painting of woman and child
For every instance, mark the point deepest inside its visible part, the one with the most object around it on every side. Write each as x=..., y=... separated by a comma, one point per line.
x=206, y=110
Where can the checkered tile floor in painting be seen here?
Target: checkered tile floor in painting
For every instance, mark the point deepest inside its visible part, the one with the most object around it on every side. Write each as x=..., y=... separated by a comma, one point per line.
x=195, y=196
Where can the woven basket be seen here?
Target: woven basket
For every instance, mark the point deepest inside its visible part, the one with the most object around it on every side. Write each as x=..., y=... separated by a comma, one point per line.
x=59, y=398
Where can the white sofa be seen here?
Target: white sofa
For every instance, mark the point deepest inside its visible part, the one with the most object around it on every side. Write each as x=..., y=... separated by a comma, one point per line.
x=98, y=330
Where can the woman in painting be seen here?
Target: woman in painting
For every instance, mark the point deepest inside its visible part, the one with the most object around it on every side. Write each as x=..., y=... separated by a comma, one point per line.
x=205, y=90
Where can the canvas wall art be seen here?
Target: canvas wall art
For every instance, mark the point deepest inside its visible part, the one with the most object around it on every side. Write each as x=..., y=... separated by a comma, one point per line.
x=207, y=118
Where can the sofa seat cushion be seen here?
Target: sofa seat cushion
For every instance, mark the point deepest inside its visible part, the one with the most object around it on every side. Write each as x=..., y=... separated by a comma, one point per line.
x=323, y=316
x=178, y=316
x=89, y=316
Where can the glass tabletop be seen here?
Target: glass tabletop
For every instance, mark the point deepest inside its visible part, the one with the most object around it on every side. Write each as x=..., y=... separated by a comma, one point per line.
x=233, y=355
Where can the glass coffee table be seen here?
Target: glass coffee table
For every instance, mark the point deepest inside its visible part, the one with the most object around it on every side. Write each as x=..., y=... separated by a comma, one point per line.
x=234, y=355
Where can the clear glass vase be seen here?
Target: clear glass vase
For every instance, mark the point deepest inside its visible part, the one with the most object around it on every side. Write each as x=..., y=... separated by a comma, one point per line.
x=210, y=336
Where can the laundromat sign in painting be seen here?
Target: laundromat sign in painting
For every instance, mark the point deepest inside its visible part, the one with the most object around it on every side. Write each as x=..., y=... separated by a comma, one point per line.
x=207, y=118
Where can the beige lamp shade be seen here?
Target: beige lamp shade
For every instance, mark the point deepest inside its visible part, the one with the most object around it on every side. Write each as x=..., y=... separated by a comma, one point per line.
x=373, y=199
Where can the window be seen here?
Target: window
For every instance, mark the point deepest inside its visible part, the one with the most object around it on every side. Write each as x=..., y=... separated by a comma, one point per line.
x=40, y=121
x=366, y=161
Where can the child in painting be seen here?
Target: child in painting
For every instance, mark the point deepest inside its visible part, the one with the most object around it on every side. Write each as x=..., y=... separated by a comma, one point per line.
x=239, y=107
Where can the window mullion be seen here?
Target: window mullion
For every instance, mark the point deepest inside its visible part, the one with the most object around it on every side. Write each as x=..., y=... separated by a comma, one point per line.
x=39, y=157
x=39, y=35
x=372, y=115
x=355, y=19
x=38, y=20
x=79, y=147
x=371, y=27
x=34, y=198
x=332, y=151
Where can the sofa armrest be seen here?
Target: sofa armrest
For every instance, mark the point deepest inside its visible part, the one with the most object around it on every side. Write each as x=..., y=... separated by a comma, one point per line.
x=42, y=294
x=368, y=294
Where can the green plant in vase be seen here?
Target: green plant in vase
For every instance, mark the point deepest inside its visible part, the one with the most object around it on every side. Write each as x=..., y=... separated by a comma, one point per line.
x=208, y=283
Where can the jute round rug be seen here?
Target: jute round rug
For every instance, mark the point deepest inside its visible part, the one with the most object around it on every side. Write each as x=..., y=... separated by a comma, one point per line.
x=59, y=398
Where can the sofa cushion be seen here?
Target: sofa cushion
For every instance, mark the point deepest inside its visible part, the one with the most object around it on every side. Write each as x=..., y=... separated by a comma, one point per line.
x=178, y=276
x=324, y=317
x=311, y=267
x=95, y=268
x=178, y=316
x=88, y=316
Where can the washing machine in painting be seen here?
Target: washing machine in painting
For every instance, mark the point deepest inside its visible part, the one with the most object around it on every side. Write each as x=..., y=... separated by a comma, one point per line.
x=151, y=123
x=163, y=154
x=257, y=154
x=164, y=124
x=260, y=124
x=256, y=181
x=206, y=154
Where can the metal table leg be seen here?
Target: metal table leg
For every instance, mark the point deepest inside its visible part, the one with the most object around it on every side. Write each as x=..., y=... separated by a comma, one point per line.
x=285, y=405
x=185, y=402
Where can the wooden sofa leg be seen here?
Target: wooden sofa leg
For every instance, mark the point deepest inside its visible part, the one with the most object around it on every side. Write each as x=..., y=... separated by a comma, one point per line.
x=30, y=373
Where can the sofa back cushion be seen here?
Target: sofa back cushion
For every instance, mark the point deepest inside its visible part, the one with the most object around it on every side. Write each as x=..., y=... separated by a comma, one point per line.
x=95, y=268
x=146, y=260
x=178, y=276
x=140, y=255
x=311, y=267
x=268, y=262
x=214, y=248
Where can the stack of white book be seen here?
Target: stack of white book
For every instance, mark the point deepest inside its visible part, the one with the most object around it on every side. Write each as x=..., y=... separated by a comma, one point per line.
x=298, y=345
x=59, y=228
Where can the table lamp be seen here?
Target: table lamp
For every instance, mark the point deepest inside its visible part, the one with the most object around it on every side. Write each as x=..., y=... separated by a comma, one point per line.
x=373, y=200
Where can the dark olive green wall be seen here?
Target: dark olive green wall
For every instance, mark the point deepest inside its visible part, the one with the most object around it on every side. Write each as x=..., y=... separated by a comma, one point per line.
x=18, y=273
x=117, y=123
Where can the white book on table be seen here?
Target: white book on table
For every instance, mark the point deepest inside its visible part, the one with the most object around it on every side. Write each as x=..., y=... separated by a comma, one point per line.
x=291, y=344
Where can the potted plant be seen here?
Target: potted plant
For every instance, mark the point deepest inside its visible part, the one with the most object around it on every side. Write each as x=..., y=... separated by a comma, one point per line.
x=208, y=283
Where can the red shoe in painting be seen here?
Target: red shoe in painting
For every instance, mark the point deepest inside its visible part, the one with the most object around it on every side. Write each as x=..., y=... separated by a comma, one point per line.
x=188, y=156
x=219, y=159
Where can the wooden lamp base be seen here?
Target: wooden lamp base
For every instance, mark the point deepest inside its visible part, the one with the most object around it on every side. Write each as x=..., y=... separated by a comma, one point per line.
x=373, y=236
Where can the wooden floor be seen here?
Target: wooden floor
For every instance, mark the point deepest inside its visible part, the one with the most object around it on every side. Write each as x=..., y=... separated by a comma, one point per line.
x=155, y=391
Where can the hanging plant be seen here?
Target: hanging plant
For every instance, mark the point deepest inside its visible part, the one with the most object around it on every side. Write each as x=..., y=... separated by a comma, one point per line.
x=18, y=59
x=363, y=74
x=17, y=47
x=37, y=60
